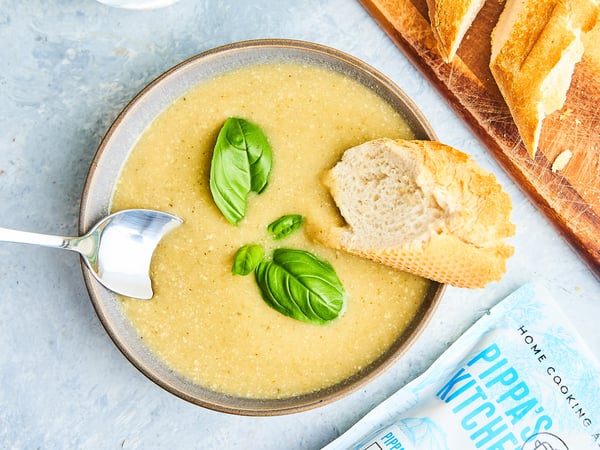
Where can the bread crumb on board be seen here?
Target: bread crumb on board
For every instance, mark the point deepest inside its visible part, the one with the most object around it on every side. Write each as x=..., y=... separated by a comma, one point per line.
x=561, y=160
x=565, y=114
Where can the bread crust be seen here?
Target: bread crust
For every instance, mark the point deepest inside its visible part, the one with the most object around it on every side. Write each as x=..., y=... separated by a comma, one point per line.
x=450, y=20
x=467, y=249
x=482, y=215
x=446, y=259
x=535, y=47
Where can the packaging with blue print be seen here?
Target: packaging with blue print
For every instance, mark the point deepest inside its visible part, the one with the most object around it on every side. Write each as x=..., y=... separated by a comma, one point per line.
x=520, y=378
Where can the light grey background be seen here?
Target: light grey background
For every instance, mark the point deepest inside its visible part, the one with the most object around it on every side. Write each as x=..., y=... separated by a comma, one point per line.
x=67, y=67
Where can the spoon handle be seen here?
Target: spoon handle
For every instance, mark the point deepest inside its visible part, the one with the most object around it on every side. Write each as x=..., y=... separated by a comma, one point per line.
x=26, y=237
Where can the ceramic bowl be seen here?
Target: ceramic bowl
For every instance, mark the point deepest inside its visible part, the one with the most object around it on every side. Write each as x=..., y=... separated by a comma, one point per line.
x=113, y=152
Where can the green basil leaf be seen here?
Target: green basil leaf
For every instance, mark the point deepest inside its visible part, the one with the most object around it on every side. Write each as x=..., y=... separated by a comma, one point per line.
x=285, y=225
x=301, y=285
x=241, y=163
x=247, y=258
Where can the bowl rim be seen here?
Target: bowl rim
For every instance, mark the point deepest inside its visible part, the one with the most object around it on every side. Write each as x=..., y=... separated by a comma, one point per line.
x=104, y=302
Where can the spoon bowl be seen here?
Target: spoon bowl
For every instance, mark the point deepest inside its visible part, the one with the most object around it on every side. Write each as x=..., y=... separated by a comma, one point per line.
x=118, y=249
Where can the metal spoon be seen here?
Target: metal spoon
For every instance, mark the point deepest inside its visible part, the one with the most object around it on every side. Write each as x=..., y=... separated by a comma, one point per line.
x=118, y=249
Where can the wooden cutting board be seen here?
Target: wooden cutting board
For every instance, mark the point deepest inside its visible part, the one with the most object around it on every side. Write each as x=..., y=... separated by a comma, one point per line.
x=570, y=198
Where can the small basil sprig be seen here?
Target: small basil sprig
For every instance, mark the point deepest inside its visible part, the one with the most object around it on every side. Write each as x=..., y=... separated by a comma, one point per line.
x=241, y=163
x=285, y=225
x=247, y=258
x=301, y=285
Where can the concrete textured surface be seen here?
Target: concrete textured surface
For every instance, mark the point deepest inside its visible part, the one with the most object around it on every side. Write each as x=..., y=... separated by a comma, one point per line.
x=67, y=68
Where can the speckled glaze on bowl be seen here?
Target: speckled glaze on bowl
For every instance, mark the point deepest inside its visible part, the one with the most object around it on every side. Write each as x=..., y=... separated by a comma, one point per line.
x=120, y=140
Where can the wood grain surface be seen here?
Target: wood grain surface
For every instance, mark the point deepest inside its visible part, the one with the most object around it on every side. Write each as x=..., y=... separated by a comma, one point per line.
x=570, y=198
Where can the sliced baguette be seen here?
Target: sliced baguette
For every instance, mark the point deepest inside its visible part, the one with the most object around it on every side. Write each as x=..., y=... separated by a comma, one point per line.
x=421, y=207
x=450, y=21
x=535, y=47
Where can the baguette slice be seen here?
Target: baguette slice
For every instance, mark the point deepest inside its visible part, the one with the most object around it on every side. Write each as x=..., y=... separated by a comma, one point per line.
x=535, y=47
x=421, y=207
x=450, y=21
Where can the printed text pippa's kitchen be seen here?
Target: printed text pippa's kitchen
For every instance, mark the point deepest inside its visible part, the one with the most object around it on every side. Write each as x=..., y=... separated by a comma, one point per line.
x=492, y=399
x=520, y=378
x=495, y=405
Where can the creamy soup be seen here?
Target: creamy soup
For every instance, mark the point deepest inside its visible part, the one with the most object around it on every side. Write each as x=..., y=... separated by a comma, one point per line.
x=213, y=327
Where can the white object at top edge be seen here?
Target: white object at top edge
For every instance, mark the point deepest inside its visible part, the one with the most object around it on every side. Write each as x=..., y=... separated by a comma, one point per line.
x=138, y=4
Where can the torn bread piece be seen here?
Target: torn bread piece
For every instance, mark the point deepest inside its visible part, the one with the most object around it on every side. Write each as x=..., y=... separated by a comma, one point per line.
x=421, y=207
x=535, y=47
x=450, y=21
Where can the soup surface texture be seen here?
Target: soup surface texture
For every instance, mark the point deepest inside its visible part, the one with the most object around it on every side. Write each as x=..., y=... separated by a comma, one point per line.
x=213, y=327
